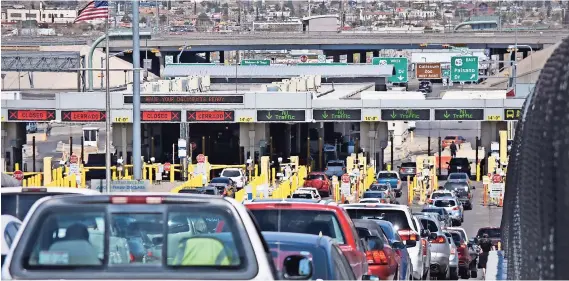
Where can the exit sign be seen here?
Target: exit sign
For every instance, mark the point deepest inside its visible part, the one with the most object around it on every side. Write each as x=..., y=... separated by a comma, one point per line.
x=464, y=69
x=400, y=66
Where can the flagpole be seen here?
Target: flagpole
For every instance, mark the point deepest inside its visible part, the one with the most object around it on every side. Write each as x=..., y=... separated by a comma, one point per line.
x=107, y=109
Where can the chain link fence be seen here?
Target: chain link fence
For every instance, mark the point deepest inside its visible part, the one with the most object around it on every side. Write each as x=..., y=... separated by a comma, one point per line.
x=535, y=219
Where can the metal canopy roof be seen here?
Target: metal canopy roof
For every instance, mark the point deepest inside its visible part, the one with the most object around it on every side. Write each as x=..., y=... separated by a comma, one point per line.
x=278, y=71
x=41, y=61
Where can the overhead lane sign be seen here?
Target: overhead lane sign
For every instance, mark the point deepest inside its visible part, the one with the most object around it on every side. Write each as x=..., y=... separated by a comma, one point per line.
x=512, y=114
x=400, y=66
x=406, y=114
x=256, y=62
x=281, y=115
x=459, y=114
x=200, y=116
x=187, y=99
x=83, y=116
x=429, y=71
x=464, y=69
x=337, y=115
x=161, y=116
x=31, y=115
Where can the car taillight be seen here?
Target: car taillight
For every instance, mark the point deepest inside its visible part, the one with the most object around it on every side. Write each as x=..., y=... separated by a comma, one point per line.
x=424, y=244
x=455, y=208
x=149, y=254
x=131, y=257
x=136, y=200
x=408, y=235
x=383, y=201
x=376, y=257
x=439, y=240
x=26, y=189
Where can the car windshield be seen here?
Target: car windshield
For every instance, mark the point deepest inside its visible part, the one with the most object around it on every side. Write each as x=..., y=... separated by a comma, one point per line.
x=302, y=195
x=315, y=177
x=220, y=180
x=374, y=195
x=409, y=165
x=492, y=232
x=445, y=203
x=450, y=137
x=316, y=254
x=456, y=237
x=457, y=176
x=19, y=204
x=192, y=190
x=210, y=191
x=457, y=186
x=387, y=176
x=379, y=187
x=430, y=225
x=301, y=221
x=336, y=164
x=433, y=210
x=397, y=217
x=230, y=173
x=77, y=236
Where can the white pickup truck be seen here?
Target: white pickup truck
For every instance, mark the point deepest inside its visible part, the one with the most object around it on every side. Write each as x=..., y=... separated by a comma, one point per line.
x=144, y=236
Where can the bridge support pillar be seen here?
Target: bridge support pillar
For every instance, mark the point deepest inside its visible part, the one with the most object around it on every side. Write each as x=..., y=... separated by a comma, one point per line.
x=362, y=57
x=222, y=57
x=251, y=137
x=490, y=132
x=13, y=139
x=122, y=140
x=208, y=57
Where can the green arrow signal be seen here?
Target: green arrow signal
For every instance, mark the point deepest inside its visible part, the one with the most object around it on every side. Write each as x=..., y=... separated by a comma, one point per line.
x=324, y=115
x=446, y=115
x=269, y=116
x=393, y=115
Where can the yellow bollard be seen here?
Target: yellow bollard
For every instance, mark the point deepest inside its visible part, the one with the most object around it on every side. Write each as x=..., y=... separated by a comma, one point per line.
x=16, y=166
x=83, y=177
x=24, y=183
x=412, y=134
x=113, y=174
x=273, y=175
x=477, y=171
x=409, y=191
x=143, y=171
x=125, y=171
x=389, y=167
x=172, y=172
x=150, y=172
x=54, y=175
x=256, y=170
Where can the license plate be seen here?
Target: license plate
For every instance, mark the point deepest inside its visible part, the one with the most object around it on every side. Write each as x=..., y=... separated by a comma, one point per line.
x=459, y=167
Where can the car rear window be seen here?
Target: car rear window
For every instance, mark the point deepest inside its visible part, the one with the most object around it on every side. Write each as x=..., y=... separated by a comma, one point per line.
x=457, y=176
x=440, y=195
x=315, y=177
x=445, y=203
x=230, y=173
x=387, y=176
x=450, y=137
x=456, y=186
x=317, y=255
x=379, y=187
x=459, y=161
x=335, y=164
x=210, y=191
x=220, y=180
x=397, y=217
x=192, y=190
x=19, y=204
x=68, y=238
x=301, y=221
x=409, y=165
x=456, y=237
x=374, y=195
x=436, y=211
x=492, y=232
x=430, y=225
x=302, y=195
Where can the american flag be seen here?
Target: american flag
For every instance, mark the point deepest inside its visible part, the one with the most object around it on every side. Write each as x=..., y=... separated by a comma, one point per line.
x=93, y=10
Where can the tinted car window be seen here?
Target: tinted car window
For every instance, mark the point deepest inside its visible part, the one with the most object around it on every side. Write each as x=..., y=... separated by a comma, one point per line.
x=315, y=177
x=456, y=237
x=492, y=232
x=19, y=204
x=302, y=195
x=459, y=162
x=192, y=190
x=386, y=175
x=445, y=203
x=300, y=221
x=430, y=225
x=396, y=217
x=456, y=186
x=335, y=164
x=439, y=195
x=409, y=165
x=220, y=180
x=373, y=195
x=379, y=187
x=230, y=173
x=458, y=176
x=432, y=210
x=450, y=137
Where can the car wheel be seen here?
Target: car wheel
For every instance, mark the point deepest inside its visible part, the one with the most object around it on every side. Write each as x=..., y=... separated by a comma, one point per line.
x=474, y=273
x=465, y=274
x=444, y=275
x=427, y=275
x=454, y=273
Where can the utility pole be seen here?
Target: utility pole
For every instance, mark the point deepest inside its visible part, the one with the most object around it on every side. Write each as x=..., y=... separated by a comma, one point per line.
x=136, y=130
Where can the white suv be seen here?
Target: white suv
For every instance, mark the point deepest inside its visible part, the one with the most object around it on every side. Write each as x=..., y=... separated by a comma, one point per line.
x=407, y=226
x=236, y=174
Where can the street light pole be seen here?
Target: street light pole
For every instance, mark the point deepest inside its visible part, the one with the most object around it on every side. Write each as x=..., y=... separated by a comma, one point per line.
x=136, y=130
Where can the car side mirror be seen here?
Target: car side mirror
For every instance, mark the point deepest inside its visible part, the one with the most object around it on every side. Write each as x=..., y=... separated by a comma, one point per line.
x=297, y=267
x=370, y=277
x=433, y=236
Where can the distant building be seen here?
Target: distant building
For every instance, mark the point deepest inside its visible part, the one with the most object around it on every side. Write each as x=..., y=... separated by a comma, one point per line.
x=42, y=15
x=323, y=23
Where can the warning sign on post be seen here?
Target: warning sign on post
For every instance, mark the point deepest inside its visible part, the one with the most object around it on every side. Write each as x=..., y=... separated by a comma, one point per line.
x=429, y=71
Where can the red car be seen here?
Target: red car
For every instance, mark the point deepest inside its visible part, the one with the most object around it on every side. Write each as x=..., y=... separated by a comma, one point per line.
x=383, y=260
x=465, y=264
x=320, y=181
x=449, y=139
x=322, y=218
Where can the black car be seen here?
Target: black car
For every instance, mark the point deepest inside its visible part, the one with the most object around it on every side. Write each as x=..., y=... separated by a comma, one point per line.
x=463, y=192
x=426, y=86
x=407, y=169
x=459, y=165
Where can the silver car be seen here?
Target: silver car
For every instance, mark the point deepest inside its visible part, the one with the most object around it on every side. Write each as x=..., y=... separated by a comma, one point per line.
x=440, y=249
x=453, y=259
x=453, y=206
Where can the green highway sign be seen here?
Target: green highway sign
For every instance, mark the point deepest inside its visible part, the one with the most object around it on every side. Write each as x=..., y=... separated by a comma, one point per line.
x=459, y=114
x=337, y=115
x=281, y=115
x=399, y=64
x=322, y=63
x=464, y=69
x=405, y=114
x=256, y=62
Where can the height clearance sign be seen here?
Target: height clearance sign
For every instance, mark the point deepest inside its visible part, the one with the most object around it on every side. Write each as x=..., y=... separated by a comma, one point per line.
x=400, y=66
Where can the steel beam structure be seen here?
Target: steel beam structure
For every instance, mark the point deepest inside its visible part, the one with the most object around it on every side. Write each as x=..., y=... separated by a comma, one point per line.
x=41, y=61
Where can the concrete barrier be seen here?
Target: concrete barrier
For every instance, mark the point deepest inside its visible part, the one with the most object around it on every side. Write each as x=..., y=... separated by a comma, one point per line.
x=496, y=266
